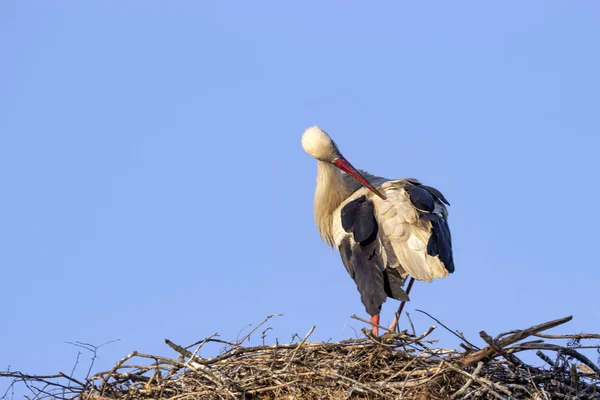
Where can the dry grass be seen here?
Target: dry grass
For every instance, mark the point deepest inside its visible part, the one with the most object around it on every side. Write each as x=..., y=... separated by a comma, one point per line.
x=394, y=366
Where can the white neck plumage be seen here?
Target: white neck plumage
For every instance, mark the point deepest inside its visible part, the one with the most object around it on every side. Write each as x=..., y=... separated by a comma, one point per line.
x=331, y=191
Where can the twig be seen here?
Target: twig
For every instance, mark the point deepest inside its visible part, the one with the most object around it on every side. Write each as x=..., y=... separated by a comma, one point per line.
x=263, y=336
x=115, y=368
x=204, y=341
x=482, y=381
x=420, y=338
x=469, y=382
x=358, y=384
x=545, y=358
x=70, y=378
x=575, y=336
x=412, y=327
x=395, y=324
x=298, y=348
x=461, y=337
x=184, y=352
x=354, y=316
x=242, y=340
x=93, y=349
x=76, y=363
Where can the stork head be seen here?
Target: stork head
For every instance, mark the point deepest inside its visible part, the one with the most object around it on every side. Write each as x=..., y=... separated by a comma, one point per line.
x=319, y=145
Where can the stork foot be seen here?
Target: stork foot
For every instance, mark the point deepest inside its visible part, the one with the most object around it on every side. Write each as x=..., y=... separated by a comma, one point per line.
x=374, y=324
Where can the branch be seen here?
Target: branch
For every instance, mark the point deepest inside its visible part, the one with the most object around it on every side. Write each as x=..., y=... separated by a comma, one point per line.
x=516, y=337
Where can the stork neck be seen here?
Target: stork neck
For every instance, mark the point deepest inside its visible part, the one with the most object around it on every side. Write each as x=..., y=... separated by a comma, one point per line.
x=331, y=191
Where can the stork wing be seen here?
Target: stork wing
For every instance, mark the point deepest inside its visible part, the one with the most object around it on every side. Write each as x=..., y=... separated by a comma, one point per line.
x=414, y=220
x=412, y=230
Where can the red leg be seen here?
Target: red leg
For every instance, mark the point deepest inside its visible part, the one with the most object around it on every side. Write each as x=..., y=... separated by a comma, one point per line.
x=374, y=324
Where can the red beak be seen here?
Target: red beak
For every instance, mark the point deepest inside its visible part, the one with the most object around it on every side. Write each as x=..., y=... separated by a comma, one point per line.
x=344, y=165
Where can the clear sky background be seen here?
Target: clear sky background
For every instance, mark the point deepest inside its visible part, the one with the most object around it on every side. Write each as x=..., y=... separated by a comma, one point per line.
x=154, y=185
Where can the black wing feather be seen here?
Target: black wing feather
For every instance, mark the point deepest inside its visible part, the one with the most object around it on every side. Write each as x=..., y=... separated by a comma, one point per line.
x=436, y=193
x=440, y=242
x=421, y=198
x=350, y=213
x=361, y=257
x=430, y=189
x=358, y=217
x=392, y=284
x=366, y=272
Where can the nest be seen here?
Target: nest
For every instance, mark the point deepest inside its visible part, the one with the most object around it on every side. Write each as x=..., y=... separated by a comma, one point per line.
x=393, y=366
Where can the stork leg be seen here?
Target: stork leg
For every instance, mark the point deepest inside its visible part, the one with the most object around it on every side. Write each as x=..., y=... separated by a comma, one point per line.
x=394, y=324
x=375, y=324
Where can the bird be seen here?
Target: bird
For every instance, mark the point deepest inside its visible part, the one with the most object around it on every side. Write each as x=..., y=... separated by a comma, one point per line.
x=384, y=229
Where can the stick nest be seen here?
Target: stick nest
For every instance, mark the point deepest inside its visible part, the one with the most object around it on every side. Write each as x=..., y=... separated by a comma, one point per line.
x=393, y=366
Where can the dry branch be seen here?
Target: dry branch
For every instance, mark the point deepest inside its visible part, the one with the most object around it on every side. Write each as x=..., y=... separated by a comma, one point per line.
x=515, y=337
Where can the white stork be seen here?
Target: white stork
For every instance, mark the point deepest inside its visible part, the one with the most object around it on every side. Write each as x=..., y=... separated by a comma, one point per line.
x=384, y=229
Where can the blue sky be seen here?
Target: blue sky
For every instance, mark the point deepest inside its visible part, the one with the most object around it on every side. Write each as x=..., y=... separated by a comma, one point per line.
x=154, y=184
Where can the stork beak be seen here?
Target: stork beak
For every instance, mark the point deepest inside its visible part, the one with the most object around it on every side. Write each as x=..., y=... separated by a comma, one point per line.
x=345, y=166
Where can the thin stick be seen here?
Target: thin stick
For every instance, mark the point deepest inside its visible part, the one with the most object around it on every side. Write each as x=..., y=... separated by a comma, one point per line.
x=461, y=337
x=357, y=384
x=469, y=382
x=242, y=340
x=203, y=341
x=115, y=368
x=482, y=381
x=298, y=348
x=576, y=336
x=411, y=324
x=354, y=316
x=394, y=326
